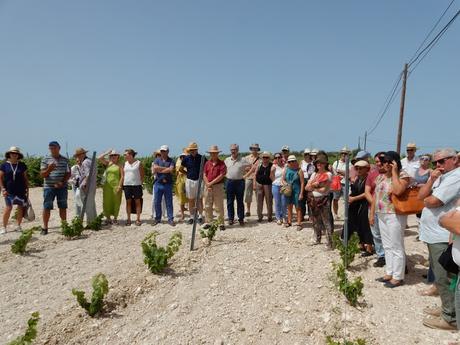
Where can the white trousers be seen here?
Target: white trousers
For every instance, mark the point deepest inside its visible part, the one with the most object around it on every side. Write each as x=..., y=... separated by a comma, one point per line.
x=392, y=228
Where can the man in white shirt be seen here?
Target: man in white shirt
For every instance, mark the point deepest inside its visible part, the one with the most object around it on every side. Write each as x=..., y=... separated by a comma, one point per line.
x=308, y=168
x=339, y=168
x=440, y=194
x=411, y=162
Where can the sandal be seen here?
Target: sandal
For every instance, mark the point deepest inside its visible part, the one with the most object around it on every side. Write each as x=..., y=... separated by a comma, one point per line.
x=128, y=223
x=391, y=285
x=138, y=223
x=383, y=280
x=287, y=225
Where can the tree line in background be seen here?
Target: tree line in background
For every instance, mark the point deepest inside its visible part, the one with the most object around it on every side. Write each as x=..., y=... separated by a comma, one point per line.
x=35, y=180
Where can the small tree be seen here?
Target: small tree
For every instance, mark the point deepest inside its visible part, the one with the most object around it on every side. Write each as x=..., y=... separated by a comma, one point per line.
x=100, y=289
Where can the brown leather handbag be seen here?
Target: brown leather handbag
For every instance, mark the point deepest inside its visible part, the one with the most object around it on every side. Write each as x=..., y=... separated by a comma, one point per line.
x=408, y=202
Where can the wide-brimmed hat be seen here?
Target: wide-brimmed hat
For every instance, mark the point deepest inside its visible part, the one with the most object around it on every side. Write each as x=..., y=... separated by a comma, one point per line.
x=156, y=153
x=345, y=150
x=130, y=151
x=361, y=163
x=14, y=149
x=314, y=152
x=254, y=147
x=192, y=146
x=114, y=153
x=214, y=149
x=411, y=146
x=80, y=151
x=306, y=151
x=266, y=154
x=292, y=158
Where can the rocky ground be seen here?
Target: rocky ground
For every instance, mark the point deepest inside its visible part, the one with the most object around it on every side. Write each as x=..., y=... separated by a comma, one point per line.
x=261, y=284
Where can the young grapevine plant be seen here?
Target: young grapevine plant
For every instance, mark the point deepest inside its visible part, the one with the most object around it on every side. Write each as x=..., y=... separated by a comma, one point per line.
x=210, y=232
x=156, y=257
x=19, y=247
x=331, y=341
x=74, y=229
x=100, y=289
x=351, y=290
x=96, y=224
x=347, y=253
x=31, y=332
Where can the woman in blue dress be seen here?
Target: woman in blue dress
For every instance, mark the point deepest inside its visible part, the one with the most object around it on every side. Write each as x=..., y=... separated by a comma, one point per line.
x=293, y=176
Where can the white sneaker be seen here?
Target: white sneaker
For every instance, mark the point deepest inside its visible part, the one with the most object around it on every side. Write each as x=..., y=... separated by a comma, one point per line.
x=2, y=231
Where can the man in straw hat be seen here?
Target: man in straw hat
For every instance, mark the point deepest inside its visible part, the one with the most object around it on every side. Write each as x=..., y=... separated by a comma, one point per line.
x=253, y=160
x=411, y=163
x=88, y=183
x=338, y=168
x=213, y=177
x=236, y=168
x=55, y=170
x=14, y=186
x=163, y=168
x=191, y=166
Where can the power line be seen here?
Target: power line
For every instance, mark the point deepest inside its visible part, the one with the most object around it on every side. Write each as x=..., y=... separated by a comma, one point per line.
x=386, y=105
x=431, y=31
x=436, y=39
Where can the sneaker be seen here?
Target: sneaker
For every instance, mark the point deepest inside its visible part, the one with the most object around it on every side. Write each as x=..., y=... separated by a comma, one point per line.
x=200, y=220
x=380, y=262
x=221, y=227
x=172, y=223
x=433, y=311
x=190, y=221
x=44, y=231
x=439, y=323
x=279, y=222
x=2, y=231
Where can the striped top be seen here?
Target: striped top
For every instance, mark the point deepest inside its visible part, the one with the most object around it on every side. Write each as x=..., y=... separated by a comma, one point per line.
x=58, y=174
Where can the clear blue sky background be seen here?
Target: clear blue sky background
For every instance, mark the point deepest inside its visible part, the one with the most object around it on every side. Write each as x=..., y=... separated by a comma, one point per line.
x=139, y=74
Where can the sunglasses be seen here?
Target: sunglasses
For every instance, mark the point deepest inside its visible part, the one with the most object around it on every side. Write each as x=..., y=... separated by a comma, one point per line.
x=424, y=158
x=410, y=150
x=442, y=160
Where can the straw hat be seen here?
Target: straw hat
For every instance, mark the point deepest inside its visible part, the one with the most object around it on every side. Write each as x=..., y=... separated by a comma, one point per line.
x=254, y=147
x=192, y=146
x=314, y=152
x=292, y=158
x=266, y=154
x=14, y=149
x=411, y=146
x=306, y=151
x=345, y=150
x=361, y=163
x=214, y=149
x=79, y=151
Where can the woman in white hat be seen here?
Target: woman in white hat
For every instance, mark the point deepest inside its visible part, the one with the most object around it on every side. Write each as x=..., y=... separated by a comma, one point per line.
x=112, y=185
x=14, y=185
x=293, y=176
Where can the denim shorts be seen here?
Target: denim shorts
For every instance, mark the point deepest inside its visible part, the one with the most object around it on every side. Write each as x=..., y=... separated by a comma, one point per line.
x=11, y=200
x=49, y=194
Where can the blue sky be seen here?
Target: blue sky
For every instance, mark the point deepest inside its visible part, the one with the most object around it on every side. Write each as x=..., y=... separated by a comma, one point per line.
x=139, y=74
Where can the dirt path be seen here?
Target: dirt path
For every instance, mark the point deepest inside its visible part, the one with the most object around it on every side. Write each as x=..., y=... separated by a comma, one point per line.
x=260, y=284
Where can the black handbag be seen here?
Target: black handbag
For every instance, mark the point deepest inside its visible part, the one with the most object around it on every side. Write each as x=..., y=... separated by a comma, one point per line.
x=447, y=261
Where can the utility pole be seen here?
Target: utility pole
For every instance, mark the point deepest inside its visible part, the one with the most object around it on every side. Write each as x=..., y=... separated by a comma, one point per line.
x=365, y=140
x=401, y=109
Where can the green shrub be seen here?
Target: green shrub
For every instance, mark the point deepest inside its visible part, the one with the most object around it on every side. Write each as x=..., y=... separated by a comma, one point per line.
x=31, y=332
x=347, y=253
x=210, y=232
x=74, y=229
x=351, y=290
x=331, y=341
x=96, y=223
x=100, y=289
x=19, y=246
x=156, y=257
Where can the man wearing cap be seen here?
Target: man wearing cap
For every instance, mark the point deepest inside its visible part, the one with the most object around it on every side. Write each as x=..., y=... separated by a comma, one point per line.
x=191, y=166
x=213, y=177
x=440, y=194
x=285, y=153
x=55, y=171
x=308, y=168
x=236, y=168
x=338, y=168
x=163, y=168
x=411, y=163
x=253, y=159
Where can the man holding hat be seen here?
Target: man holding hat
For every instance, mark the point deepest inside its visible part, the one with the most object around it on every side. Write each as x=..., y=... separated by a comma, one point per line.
x=55, y=171
x=163, y=168
x=191, y=166
x=411, y=163
x=88, y=183
x=236, y=167
x=213, y=177
x=253, y=159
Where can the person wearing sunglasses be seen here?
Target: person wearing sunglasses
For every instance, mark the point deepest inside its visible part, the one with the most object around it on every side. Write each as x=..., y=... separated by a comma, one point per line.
x=395, y=181
x=411, y=162
x=276, y=175
x=440, y=194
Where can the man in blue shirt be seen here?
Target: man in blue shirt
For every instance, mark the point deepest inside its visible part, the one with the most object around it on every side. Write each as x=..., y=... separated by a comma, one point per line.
x=191, y=167
x=163, y=168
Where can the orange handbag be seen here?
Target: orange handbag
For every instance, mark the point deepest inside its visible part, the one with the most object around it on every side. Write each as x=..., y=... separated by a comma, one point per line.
x=408, y=202
x=336, y=184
